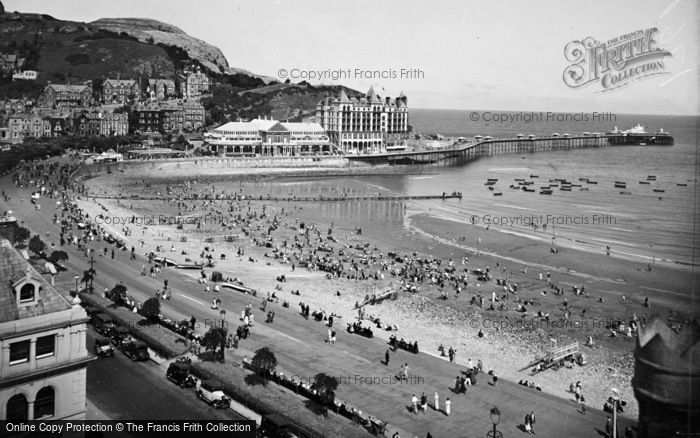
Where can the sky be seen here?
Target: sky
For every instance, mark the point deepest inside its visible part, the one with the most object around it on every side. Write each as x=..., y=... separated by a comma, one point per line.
x=497, y=54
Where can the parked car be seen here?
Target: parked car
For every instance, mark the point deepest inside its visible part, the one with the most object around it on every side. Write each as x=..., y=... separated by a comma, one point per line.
x=119, y=334
x=179, y=373
x=211, y=392
x=135, y=350
x=275, y=426
x=102, y=347
x=104, y=324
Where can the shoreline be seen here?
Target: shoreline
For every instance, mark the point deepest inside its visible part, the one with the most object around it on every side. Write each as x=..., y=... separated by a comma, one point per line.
x=503, y=347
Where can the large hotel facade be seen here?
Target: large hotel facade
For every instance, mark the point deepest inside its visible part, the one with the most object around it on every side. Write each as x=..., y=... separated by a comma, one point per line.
x=366, y=125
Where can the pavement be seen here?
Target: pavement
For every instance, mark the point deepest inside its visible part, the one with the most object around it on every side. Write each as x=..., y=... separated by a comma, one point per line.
x=300, y=350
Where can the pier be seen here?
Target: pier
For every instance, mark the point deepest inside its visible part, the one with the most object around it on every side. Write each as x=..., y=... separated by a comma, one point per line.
x=467, y=151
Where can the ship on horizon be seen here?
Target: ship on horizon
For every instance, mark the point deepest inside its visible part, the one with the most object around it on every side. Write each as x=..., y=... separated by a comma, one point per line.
x=638, y=135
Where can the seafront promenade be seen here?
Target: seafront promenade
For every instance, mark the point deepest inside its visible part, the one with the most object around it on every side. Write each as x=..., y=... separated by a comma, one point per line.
x=299, y=345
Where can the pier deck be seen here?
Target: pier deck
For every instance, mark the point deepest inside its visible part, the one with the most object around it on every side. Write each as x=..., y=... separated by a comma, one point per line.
x=468, y=151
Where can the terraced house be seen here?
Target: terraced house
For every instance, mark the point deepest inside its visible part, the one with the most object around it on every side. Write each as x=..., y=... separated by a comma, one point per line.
x=95, y=123
x=161, y=88
x=43, y=366
x=66, y=96
x=120, y=90
x=22, y=125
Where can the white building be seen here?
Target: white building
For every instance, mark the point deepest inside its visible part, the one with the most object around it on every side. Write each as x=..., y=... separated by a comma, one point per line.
x=369, y=124
x=26, y=75
x=269, y=137
x=42, y=339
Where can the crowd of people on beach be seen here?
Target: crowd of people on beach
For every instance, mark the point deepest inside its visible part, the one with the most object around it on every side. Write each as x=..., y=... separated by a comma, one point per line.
x=289, y=240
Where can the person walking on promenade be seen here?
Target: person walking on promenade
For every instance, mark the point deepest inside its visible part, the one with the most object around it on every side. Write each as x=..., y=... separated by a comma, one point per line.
x=424, y=403
x=608, y=428
x=386, y=358
x=495, y=378
x=436, y=401
x=583, y=404
x=414, y=403
x=448, y=405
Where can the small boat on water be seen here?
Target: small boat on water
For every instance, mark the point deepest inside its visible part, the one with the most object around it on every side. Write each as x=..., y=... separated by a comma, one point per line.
x=591, y=182
x=583, y=179
x=682, y=184
x=526, y=189
x=575, y=185
x=651, y=177
x=565, y=189
x=519, y=179
x=644, y=182
x=546, y=192
x=620, y=186
x=659, y=190
x=625, y=193
x=583, y=189
x=534, y=176
x=498, y=194
x=489, y=183
x=490, y=187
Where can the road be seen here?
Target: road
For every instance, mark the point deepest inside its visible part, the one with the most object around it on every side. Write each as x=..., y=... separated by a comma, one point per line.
x=126, y=390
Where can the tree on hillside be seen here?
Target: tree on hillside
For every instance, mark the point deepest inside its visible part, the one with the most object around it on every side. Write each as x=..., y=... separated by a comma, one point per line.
x=265, y=362
x=151, y=309
x=36, y=245
x=2, y=8
x=325, y=385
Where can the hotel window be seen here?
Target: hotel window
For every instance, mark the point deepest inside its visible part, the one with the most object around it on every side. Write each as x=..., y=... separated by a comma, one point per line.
x=26, y=293
x=17, y=409
x=45, y=403
x=45, y=346
x=19, y=352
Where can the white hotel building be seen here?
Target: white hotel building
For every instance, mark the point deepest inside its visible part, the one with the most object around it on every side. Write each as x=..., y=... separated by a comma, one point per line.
x=267, y=137
x=366, y=125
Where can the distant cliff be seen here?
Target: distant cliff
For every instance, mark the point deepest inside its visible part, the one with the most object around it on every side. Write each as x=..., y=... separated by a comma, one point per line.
x=155, y=32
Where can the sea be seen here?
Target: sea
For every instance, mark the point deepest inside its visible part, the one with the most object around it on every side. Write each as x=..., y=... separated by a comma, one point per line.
x=655, y=222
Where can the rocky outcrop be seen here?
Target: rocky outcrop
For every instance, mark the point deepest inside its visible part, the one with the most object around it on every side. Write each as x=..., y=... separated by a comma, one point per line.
x=152, y=31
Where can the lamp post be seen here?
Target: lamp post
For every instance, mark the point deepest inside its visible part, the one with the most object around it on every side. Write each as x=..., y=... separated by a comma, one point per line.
x=616, y=403
x=495, y=419
x=76, y=284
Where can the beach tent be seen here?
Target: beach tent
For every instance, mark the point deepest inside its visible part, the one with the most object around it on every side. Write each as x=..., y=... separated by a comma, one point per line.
x=216, y=276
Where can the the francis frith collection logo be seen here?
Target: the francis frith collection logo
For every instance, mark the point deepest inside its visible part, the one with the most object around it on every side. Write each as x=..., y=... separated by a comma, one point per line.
x=616, y=62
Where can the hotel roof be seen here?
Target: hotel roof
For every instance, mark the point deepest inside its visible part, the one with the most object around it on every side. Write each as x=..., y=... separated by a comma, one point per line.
x=13, y=268
x=118, y=82
x=68, y=87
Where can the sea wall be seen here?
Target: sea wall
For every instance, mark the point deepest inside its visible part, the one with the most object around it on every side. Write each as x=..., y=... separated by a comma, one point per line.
x=242, y=167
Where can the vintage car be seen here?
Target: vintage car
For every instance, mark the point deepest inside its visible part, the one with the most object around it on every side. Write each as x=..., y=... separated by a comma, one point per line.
x=135, y=350
x=179, y=373
x=104, y=324
x=211, y=391
x=102, y=347
x=119, y=334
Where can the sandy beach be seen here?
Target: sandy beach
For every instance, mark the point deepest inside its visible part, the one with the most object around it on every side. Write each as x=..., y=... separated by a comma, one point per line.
x=511, y=339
